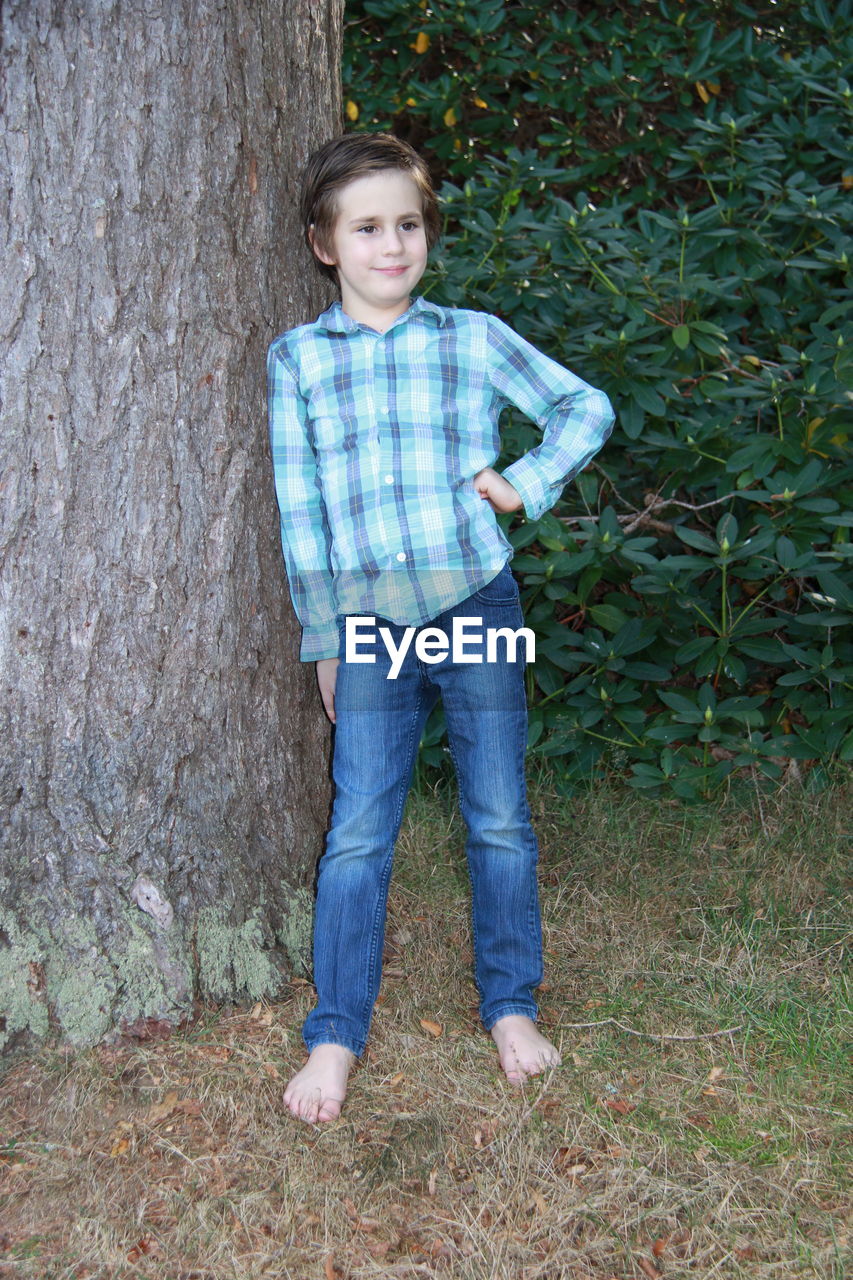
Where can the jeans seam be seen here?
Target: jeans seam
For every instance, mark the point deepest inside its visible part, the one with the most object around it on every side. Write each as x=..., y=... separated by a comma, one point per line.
x=458, y=773
x=461, y=795
x=381, y=907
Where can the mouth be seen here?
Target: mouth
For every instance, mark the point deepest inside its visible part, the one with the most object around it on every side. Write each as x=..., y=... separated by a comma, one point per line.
x=392, y=271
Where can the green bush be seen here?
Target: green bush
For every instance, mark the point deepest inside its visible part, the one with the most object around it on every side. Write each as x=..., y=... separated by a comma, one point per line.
x=661, y=203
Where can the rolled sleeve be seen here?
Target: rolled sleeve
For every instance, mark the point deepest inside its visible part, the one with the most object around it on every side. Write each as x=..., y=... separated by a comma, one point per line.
x=575, y=418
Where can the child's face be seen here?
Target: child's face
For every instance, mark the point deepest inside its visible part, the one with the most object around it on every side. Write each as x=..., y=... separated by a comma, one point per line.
x=378, y=246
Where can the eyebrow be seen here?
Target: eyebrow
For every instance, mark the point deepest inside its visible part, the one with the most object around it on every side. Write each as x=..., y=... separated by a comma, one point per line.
x=377, y=217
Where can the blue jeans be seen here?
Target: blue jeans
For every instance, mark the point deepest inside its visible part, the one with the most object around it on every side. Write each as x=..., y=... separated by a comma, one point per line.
x=379, y=725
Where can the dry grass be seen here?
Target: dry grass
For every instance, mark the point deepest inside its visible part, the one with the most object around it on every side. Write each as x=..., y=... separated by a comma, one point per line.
x=640, y=1156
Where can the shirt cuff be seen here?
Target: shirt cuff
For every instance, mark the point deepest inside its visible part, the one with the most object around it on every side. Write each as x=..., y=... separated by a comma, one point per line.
x=319, y=643
x=536, y=495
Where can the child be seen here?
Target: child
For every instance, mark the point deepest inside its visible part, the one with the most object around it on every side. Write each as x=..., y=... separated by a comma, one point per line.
x=384, y=427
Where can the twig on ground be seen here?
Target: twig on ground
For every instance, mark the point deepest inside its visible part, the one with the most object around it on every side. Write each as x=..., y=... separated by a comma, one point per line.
x=651, y=1035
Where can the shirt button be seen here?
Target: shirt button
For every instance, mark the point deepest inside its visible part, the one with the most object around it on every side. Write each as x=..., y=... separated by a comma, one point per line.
x=389, y=479
x=384, y=408
x=401, y=555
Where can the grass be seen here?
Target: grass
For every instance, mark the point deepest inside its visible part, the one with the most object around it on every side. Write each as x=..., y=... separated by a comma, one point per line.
x=643, y=1155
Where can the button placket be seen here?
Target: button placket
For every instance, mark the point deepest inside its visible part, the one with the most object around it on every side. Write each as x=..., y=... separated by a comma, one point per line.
x=385, y=453
x=376, y=434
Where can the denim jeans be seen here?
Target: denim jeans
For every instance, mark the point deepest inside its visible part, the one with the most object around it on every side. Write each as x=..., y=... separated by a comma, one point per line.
x=379, y=725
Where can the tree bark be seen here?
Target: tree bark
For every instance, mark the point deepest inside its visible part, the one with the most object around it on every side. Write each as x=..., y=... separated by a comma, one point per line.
x=163, y=783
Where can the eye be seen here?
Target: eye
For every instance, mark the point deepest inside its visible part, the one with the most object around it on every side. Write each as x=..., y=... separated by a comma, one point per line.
x=410, y=226
x=368, y=226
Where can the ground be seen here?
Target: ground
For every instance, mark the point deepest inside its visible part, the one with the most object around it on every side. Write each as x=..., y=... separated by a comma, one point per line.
x=694, y=986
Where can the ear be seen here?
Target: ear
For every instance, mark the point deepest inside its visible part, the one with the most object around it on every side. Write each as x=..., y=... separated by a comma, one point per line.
x=317, y=251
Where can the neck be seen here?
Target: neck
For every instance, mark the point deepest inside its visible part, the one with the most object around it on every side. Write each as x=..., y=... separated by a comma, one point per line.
x=379, y=319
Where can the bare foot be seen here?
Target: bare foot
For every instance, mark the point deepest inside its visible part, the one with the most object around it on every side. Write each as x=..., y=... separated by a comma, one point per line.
x=522, y=1050
x=316, y=1093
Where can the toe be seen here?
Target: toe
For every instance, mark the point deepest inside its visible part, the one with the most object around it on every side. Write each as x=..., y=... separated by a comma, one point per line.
x=310, y=1110
x=329, y=1110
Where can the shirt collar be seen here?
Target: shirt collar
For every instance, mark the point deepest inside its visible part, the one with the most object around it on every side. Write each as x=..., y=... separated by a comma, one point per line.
x=336, y=320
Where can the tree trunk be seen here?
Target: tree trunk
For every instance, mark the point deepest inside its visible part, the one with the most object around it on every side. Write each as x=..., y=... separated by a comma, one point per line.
x=163, y=783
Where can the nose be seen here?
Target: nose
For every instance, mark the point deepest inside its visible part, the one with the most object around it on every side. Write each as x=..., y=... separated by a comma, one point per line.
x=393, y=243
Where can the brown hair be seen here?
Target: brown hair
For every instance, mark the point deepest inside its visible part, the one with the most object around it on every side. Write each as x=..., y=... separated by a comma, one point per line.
x=341, y=161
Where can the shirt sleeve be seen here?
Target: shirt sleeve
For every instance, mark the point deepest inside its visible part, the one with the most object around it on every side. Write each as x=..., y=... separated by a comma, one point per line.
x=575, y=418
x=305, y=538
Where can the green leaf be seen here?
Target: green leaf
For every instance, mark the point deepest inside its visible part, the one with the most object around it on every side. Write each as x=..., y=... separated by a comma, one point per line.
x=685, y=708
x=694, y=538
x=681, y=336
x=606, y=616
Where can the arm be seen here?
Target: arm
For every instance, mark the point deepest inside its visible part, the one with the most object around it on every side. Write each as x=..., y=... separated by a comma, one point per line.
x=575, y=418
x=305, y=537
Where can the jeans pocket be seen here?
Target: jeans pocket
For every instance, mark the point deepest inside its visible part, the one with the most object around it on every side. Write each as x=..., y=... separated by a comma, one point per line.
x=503, y=589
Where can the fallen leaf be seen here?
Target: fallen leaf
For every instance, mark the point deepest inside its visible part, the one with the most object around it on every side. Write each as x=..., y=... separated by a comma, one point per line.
x=619, y=1105
x=434, y=1028
x=145, y=1248
x=161, y=1110
x=659, y=1245
x=120, y=1138
x=330, y=1270
x=716, y=1073
x=648, y=1268
x=397, y=1079
x=433, y=1179
x=537, y=1202
x=593, y=1004
x=272, y=1071
x=710, y=1092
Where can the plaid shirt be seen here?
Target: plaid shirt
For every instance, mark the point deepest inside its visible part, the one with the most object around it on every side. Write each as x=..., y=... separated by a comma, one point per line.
x=376, y=439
